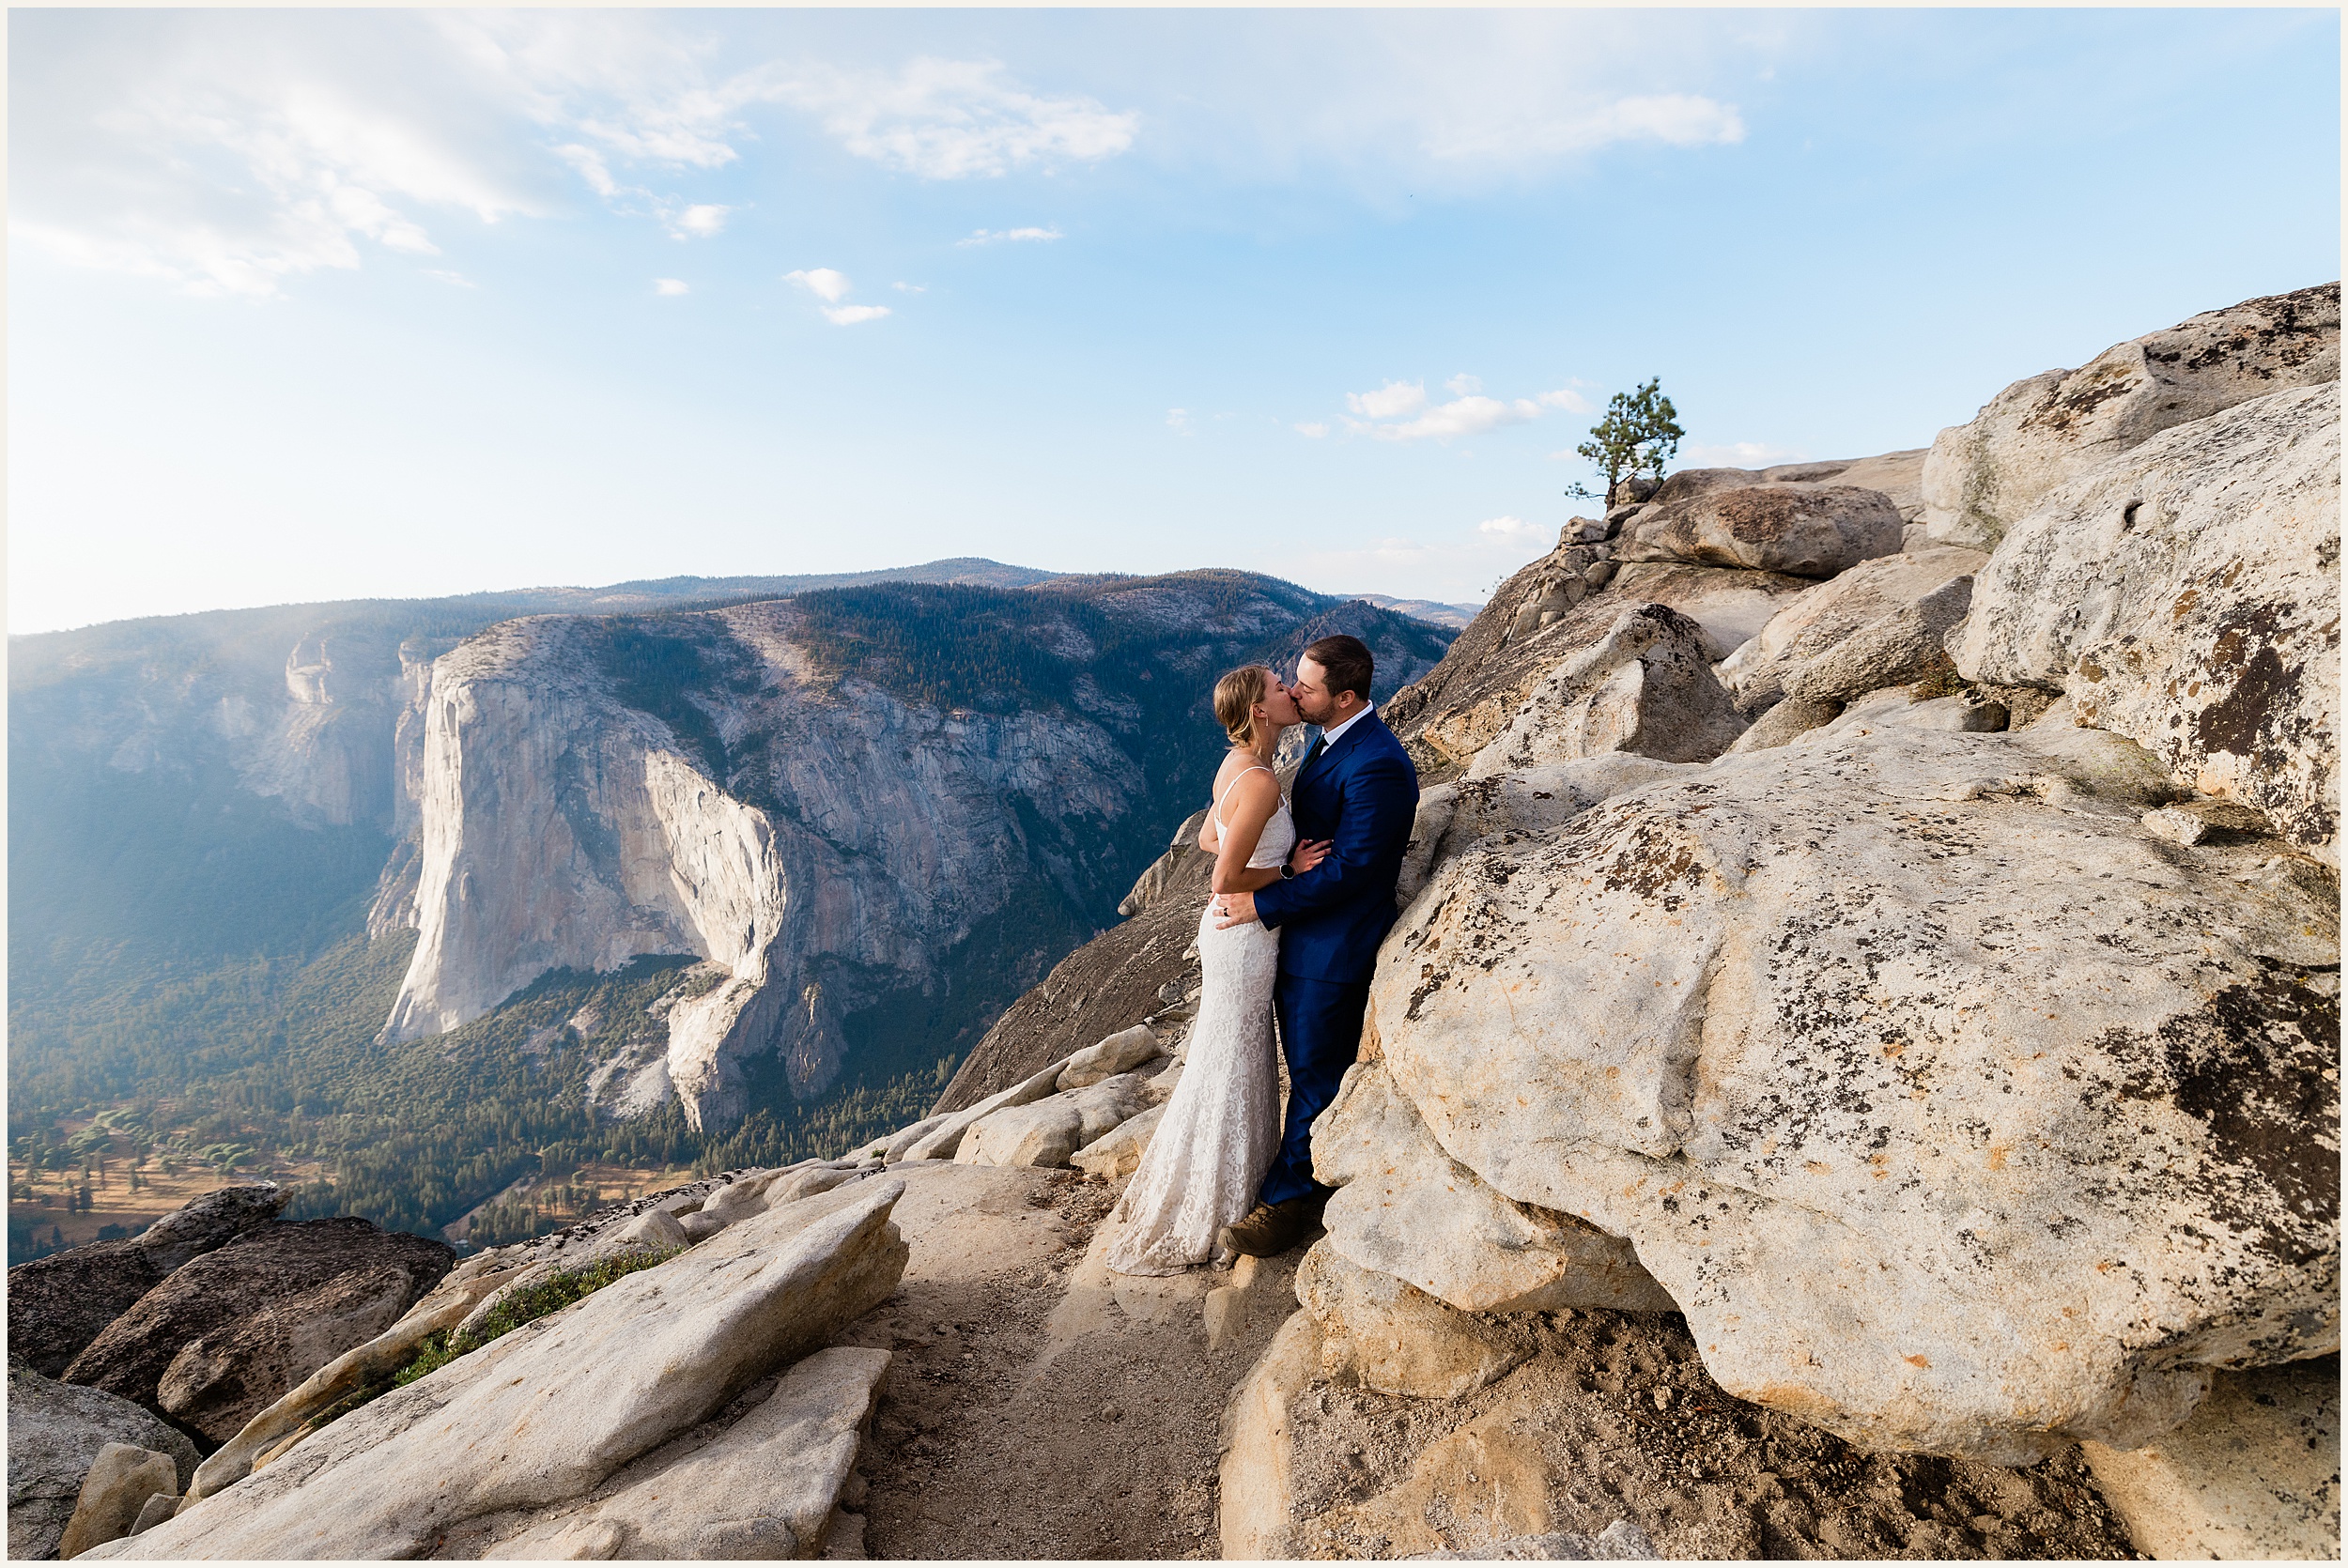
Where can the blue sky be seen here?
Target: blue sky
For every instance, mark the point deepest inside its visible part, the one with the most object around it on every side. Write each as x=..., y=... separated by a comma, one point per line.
x=316, y=304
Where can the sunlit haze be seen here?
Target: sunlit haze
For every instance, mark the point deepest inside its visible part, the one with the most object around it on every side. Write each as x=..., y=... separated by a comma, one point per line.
x=327, y=304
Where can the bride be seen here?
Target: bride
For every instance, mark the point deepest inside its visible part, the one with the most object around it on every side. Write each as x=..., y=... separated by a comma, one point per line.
x=1222, y=1126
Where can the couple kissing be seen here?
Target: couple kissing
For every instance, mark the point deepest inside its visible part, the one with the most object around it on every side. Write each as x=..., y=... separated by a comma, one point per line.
x=1304, y=894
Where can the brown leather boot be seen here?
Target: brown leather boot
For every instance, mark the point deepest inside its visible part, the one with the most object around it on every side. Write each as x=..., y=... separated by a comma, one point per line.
x=1272, y=1229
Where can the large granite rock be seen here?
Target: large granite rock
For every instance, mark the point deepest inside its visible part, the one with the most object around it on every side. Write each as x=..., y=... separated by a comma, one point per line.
x=1904, y=645
x=539, y=1417
x=211, y=1223
x=764, y=1488
x=122, y=1480
x=55, y=1433
x=1955, y=1110
x=1404, y=1207
x=1985, y=476
x=2186, y=595
x=2254, y=1474
x=1808, y=531
x=1646, y=687
x=58, y=1304
x=1452, y=817
x=226, y=1335
x=1051, y=1130
x=1830, y=614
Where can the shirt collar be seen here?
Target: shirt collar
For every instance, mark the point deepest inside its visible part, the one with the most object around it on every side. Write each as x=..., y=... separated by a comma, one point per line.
x=1331, y=737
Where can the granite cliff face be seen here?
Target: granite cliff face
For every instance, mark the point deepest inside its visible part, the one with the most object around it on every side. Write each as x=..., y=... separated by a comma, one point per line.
x=834, y=818
x=877, y=812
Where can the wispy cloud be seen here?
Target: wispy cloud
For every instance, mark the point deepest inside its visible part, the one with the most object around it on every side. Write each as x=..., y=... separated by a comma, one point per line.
x=910, y=289
x=997, y=237
x=454, y=280
x=1401, y=411
x=1177, y=419
x=670, y=287
x=953, y=120
x=1509, y=527
x=1312, y=428
x=848, y=315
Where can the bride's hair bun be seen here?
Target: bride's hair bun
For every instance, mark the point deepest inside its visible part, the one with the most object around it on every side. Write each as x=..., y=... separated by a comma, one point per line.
x=1235, y=698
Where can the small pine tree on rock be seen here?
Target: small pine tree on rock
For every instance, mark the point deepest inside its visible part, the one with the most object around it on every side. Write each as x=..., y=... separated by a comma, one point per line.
x=1641, y=431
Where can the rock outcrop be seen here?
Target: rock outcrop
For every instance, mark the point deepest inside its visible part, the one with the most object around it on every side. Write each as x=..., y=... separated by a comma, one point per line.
x=552, y=1411
x=1759, y=673
x=235, y=1328
x=1808, y=531
x=2186, y=595
x=1868, y=1085
x=1453, y=818
x=1983, y=477
x=55, y=1434
x=58, y=1304
x=1646, y=687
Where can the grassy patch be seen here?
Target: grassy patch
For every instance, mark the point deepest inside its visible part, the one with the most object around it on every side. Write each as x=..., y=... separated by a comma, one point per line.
x=542, y=1299
x=1941, y=681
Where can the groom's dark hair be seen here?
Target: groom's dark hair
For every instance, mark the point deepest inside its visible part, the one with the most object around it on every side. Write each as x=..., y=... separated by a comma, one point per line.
x=1348, y=661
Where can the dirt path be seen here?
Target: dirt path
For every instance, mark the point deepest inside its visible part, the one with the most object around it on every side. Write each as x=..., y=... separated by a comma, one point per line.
x=1030, y=1414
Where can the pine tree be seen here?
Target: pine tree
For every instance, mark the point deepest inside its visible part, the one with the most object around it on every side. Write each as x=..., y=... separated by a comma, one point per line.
x=1641, y=430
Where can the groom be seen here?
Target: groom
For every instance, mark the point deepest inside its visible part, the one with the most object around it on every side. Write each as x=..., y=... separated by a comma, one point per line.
x=1358, y=790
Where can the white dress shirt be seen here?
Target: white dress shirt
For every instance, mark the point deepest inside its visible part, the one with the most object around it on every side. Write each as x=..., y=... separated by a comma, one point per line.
x=1330, y=737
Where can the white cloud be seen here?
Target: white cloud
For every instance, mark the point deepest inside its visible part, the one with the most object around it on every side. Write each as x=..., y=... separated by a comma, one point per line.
x=1177, y=419
x=910, y=289
x=668, y=287
x=848, y=315
x=1739, y=455
x=1385, y=411
x=951, y=119
x=995, y=236
x=822, y=282
x=1507, y=528
x=1313, y=428
x=1463, y=415
x=1391, y=401
x=454, y=280
x=701, y=221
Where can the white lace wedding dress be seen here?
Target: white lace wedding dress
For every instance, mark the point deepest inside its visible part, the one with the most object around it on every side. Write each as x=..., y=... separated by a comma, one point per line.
x=1222, y=1126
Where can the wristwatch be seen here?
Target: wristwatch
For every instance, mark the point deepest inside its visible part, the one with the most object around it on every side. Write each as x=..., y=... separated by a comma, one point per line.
x=1288, y=872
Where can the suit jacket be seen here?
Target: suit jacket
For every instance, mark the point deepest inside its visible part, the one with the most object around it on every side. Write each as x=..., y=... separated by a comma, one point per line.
x=1361, y=794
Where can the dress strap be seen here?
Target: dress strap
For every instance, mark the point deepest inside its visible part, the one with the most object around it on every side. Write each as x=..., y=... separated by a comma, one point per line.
x=1226, y=790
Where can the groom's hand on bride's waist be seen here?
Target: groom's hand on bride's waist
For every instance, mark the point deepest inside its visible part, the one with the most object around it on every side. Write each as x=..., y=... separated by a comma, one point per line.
x=1237, y=909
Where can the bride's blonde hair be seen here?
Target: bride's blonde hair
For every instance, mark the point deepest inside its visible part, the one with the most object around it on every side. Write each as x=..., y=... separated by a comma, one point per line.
x=1235, y=698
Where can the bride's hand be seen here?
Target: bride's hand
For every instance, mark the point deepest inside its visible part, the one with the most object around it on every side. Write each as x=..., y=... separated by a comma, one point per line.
x=1309, y=854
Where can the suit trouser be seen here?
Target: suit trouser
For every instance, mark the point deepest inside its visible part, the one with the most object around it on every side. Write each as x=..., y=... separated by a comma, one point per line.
x=1320, y=1033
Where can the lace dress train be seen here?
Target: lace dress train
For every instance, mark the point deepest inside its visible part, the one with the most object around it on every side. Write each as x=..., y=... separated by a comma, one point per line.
x=1222, y=1126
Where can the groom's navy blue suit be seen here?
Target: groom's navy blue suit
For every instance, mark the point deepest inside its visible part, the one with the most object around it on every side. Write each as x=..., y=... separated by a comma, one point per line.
x=1362, y=795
